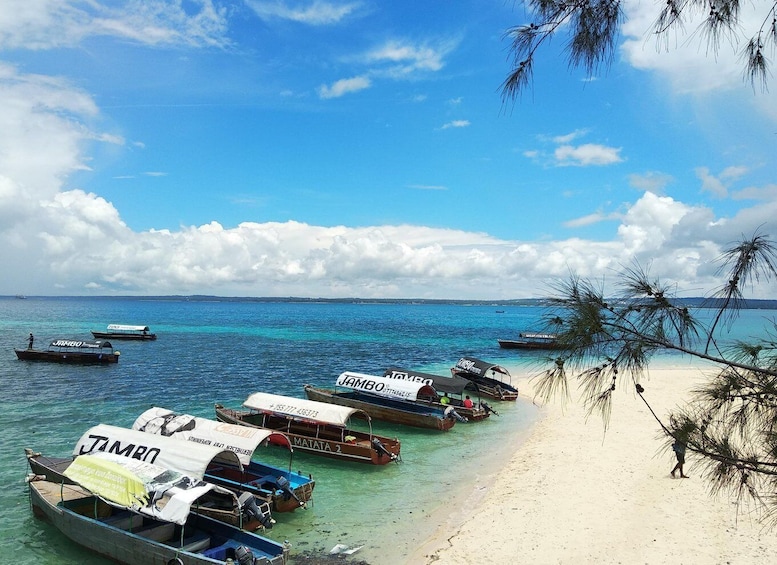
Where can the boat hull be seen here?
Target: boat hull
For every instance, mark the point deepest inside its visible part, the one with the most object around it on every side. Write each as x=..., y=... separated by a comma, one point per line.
x=408, y=415
x=126, y=336
x=93, y=525
x=524, y=344
x=323, y=440
x=67, y=357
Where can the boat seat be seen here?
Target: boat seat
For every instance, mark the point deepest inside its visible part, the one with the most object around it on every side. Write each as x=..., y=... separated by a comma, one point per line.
x=124, y=521
x=221, y=552
x=261, y=480
x=161, y=532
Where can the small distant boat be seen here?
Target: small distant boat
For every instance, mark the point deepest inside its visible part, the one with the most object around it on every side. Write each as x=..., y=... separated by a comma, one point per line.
x=286, y=489
x=120, y=331
x=454, y=390
x=390, y=400
x=78, y=351
x=489, y=378
x=314, y=427
x=137, y=513
x=531, y=340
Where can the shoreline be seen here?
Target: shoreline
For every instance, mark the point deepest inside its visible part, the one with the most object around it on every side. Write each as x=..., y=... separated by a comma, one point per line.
x=571, y=493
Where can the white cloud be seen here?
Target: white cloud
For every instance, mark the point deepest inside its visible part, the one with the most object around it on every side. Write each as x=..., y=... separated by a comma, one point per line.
x=587, y=155
x=456, y=124
x=316, y=13
x=590, y=219
x=69, y=241
x=45, y=24
x=343, y=87
x=651, y=181
x=719, y=185
x=767, y=193
x=569, y=137
x=401, y=59
x=683, y=59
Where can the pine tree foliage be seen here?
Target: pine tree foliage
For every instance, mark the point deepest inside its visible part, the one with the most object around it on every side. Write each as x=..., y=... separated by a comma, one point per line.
x=592, y=28
x=731, y=421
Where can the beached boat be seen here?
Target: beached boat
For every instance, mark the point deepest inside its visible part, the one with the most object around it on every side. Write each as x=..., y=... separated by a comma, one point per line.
x=489, y=378
x=78, y=351
x=137, y=513
x=390, y=400
x=456, y=391
x=314, y=427
x=121, y=331
x=286, y=489
x=177, y=455
x=531, y=340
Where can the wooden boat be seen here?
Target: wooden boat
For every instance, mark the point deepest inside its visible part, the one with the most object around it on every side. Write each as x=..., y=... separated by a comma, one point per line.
x=77, y=351
x=286, y=489
x=455, y=391
x=137, y=513
x=121, y=331
x=531, y=340
x=314, y=427
x=390, y=400
x=488, y=377
x=252, y=512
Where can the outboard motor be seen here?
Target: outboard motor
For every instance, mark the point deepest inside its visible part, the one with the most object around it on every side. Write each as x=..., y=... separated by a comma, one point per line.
x=283, y=484
x=381, y=449
x=488, y=409
x=452, y=414
x=244, y=555
x=251, y=510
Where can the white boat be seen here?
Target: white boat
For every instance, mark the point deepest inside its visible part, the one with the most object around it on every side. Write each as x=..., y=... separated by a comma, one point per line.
x=137, y=513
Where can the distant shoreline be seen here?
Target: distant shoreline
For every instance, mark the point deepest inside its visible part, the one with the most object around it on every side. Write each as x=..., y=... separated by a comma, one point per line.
x=691, y=302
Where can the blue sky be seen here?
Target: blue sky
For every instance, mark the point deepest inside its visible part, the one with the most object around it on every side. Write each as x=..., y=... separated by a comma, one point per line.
x=361, y=148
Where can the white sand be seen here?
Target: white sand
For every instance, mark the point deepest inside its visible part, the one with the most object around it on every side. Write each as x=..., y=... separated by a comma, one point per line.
x=572, y=493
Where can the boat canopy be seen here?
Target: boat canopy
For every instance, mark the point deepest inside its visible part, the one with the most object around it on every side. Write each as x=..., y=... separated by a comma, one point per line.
x=480, y=368
x=80, y=344
x=382, y=386
x=142, y=487
x=302, y=409
x=451, y=385
x=125, y=328
x=185, y=457
x=242, y=440
x=535, y=335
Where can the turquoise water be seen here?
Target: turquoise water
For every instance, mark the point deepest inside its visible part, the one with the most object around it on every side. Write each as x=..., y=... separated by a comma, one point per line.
x=210, y=352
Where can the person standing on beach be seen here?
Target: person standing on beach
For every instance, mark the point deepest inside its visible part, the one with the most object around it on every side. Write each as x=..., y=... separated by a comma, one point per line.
x=679, y=450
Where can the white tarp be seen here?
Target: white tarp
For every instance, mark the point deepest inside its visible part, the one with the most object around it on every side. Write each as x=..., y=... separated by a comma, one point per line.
x=183, y=456
x=143, y=487
x=242, y=440
x=301, y=408
x=382, y=386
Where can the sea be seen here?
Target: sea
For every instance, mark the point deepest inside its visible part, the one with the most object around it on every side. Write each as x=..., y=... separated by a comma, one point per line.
x=220, y=351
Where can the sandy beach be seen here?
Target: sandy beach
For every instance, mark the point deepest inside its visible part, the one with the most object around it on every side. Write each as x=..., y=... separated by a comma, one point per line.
x=572, y=493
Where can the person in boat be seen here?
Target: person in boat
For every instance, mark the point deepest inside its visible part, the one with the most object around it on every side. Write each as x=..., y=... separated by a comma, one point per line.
x=30, y=340
x=468, y=402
